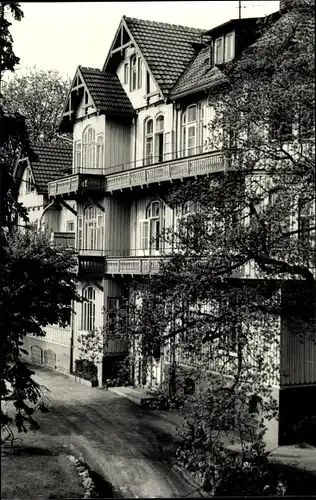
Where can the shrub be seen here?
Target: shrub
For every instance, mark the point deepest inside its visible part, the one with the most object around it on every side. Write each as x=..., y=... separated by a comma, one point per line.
x=86, y=369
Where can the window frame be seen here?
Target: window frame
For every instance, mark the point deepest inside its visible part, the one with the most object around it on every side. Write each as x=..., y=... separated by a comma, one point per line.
x=88, y=309
x=89, y=148
x=93, y=228
x=221, y=39
x=133, y=73
x=29, y=181
x=230, y=35
x=126, y=73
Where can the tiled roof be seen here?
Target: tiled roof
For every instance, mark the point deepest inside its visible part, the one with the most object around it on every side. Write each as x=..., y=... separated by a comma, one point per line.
x=199, y=75
x=48, y=162
x=107, y=92
x=167, y=48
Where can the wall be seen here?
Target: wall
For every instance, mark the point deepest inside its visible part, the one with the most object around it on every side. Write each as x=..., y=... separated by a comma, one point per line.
x=33, y=201
x=137, y=96
x=117, y=143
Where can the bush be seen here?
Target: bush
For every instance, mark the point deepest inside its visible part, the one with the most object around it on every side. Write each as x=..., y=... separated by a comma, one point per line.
x=86, y=369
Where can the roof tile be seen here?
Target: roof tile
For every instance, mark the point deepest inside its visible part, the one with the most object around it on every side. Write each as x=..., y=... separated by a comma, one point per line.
x=167, y=48
x=48, y=162
x=107, y=92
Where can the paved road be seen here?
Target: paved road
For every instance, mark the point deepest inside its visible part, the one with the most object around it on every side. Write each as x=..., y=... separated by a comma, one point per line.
x=122, y=442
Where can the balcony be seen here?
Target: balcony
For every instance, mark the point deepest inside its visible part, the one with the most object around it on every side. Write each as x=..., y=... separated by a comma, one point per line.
x=92, y=267
x=132, y=265
x=136, y=174
x=63, y=240
x=76, y=184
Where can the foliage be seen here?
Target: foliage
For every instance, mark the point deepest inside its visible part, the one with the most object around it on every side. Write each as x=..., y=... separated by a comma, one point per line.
x=86, y=369
x=254, y=220
x=39, y=96
x=8, y=60
x=37, y=286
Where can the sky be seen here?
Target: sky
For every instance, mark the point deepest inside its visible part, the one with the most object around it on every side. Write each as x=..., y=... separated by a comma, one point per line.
x=62, y=35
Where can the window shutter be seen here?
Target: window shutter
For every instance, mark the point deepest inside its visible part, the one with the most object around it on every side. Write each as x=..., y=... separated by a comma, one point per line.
x=144, y=234
x=79, y=232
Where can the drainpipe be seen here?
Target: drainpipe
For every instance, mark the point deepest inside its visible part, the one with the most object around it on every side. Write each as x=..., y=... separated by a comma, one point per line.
x=135, y=140
x=72, y=337
x=43, y=213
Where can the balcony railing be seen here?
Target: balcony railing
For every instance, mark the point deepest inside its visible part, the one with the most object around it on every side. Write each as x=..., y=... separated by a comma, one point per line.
x=175, y=168
x=64, y=240
x=132, y=265
x=167, y=166
x=76, y=184
x=91, y=267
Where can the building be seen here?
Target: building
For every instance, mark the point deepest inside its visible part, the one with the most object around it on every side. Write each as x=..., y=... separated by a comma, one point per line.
x=138, y=128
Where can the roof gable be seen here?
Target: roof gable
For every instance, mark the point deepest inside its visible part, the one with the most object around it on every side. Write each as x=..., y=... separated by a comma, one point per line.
x=47, y=162
x=166, y=48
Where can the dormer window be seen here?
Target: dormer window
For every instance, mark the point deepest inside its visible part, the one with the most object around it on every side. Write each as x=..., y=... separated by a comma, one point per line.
x=229, y=46
x=224, y=48
x=218, y=52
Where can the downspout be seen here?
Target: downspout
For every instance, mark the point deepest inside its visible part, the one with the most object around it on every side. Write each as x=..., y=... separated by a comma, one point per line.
x=135, y=137
x=43, y=213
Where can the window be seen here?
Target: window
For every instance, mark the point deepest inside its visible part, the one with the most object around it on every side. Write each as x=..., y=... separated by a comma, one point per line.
x=93, y=228
x=147, y=82
x=150, y=228
x=218, y=52
x=189, y=130
x=281, y=123
x=88, y=309
x=140, y=74
x=100, y=153
x=159, y=138
x=77, y=155
x=125, y=73
x=70, y=226
x=149, y=141
x=305, y=225
x=89, y=147
x=133, y=73
x=154, y=140
x=29, y=184
x=306, y=123
x=117, y=315
x=229, y=46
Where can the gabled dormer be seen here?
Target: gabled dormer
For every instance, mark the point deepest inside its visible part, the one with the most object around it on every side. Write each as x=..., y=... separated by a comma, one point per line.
x=94, y=92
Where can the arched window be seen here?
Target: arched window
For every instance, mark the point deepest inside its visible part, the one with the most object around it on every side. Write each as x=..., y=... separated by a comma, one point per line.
x=133, y=73
x=88, y=145
x=88, y=309
x=189, y=118
x=100, y=151
x=93, y=228
x=154, y=140
x=152, y=226
x=149, y=141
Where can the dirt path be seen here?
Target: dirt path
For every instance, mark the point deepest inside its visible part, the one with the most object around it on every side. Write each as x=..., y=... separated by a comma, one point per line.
x=118, y=439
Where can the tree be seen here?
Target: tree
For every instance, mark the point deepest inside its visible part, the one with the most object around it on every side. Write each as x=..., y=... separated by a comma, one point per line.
x=39, y=96
x=8, y=60
x=257, y=217
x=37, y=287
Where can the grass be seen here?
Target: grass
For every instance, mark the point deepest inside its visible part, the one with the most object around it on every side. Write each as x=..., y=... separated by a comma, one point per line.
x=41, y=472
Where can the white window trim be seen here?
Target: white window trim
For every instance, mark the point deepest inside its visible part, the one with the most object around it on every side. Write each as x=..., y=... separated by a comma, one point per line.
x=232, y=35
x=215, y=51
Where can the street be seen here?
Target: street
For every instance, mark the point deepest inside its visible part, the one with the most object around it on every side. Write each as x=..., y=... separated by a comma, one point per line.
x=122, y=442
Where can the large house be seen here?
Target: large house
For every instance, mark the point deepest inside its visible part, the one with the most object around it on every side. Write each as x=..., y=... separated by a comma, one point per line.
x=137, y=127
